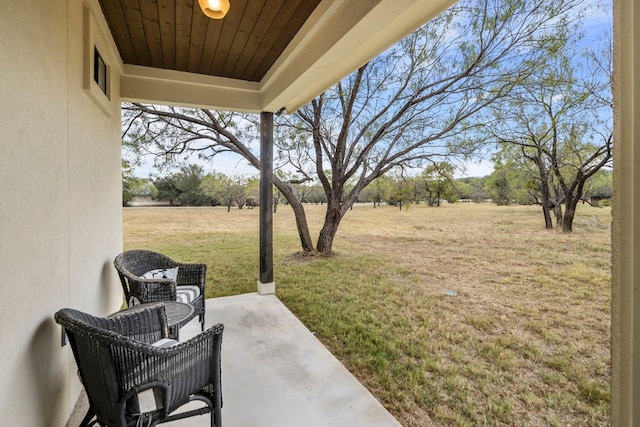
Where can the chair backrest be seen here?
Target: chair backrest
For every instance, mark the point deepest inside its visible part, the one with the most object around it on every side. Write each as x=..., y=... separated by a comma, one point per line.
x=131, y=265
x=93, y=341
x=137, y=262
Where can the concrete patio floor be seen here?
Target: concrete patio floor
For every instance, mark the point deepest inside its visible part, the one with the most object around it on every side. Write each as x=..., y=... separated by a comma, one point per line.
x=275, y=372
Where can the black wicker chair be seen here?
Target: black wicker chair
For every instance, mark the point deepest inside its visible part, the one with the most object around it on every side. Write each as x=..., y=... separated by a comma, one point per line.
x=130, y=381
x=133, y=265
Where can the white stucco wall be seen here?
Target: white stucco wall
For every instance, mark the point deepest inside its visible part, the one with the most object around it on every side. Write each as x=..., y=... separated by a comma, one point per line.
x=60, y=214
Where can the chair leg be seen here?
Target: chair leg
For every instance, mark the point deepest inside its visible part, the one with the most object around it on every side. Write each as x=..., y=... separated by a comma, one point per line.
x=174, y=333
x=216, y=417
x=201, y=322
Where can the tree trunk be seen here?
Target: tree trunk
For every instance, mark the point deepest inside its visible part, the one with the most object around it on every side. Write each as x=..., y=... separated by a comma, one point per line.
x=547, y=216
x=303, y=229
x=571, y=203
x=298, y=211
x=329, y=229
x=545, y=195
x=569, y=214
x=557, y=209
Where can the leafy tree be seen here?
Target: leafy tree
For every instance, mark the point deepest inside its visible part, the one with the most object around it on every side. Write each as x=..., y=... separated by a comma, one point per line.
x=520, y=174
x=316, y=195
x=187, y=181
x=472, y=188
x=226, y=190
x=559, y=119
x=167, y=189
x=252, y=190
x=600, y=184
x=436, y=183
x=499, y=187
x=239, y=191
x=376, y=191
x=463, y=189
x=411, y=105
x=400, y=190
x=132, y=186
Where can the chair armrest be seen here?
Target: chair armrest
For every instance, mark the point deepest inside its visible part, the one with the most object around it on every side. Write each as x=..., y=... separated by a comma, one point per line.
x=150, y=290
x=192, y=274
x=214, y=332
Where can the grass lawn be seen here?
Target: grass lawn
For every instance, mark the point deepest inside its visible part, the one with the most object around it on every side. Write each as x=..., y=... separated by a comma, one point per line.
x=467, y=314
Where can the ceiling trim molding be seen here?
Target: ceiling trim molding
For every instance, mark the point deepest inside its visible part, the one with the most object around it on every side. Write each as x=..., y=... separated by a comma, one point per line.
x=168, y=87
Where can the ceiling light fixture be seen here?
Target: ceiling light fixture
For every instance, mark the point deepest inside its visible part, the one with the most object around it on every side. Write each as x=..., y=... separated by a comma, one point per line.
x=215, y=9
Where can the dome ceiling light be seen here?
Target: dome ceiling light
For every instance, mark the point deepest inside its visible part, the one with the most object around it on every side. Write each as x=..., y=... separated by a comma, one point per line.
x=215, y=9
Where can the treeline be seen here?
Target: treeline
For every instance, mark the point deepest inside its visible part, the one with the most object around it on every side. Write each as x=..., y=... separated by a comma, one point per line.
x=190, y=186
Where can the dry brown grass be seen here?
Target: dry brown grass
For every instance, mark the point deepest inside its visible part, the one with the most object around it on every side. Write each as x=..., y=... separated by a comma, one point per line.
x=524, y=341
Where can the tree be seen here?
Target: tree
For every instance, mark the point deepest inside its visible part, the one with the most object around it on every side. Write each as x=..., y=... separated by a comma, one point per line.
x=436, y=183
x=252, y=190
x=406, y=107
x=376, y=191
x=167, y=189
x=171, y=133
x=187, y=182
x=182, y=187
x=472, y=188
x=560, y=120
x=410, y=104
x=400, y=190
x=226, y=190
x=600, y=184
x=515, y=177
x=499, y=187
x=132, y=186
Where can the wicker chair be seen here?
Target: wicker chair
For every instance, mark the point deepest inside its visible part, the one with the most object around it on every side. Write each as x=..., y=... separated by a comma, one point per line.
x=130, y=381
x=133, y=265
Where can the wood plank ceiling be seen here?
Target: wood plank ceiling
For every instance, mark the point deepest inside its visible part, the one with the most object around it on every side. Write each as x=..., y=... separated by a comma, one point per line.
x=176, y=35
